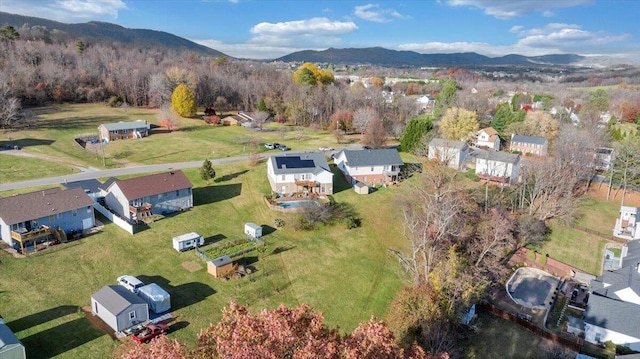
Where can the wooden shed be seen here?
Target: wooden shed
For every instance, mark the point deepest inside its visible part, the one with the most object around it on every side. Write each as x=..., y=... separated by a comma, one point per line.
x=220, y=267
x=361, y=188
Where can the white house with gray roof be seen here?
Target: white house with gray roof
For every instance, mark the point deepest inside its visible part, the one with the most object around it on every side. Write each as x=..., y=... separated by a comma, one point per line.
x=529, y=145
x=10, y=346
x=451, y=153
x=370, y=166
x=613, y=309
x=119, y=308
x=300, y=173
x=123, y=130
x=497, y=166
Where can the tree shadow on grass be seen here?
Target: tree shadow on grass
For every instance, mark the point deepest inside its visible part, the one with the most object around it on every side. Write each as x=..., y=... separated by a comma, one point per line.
x=212, y=194
x=230, y=176
x=24, y=142
x=70, y=123
x=44, y=316
x=213, y=239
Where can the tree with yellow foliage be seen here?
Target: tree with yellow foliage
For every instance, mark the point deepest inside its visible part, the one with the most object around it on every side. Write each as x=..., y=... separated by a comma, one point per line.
x=309, y=74
x=183, y=101
x=458, y=124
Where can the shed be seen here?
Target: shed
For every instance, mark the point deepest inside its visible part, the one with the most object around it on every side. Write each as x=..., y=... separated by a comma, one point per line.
x=157, y=298
x=253, y=230
x=118, y=307
x=220, y=267
x=10, y=346
x=361, y=188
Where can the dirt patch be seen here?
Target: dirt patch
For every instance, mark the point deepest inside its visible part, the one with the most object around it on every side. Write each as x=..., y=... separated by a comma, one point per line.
x=599, y=191
x=96, y=322
x=191, y=266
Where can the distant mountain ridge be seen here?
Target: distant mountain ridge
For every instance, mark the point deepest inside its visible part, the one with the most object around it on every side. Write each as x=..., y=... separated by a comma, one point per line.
x=394, y=58
x=103, y=31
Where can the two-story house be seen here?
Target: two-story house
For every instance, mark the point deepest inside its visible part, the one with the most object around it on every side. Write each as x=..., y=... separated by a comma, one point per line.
x=300, y=173
x=451, y=153
x=134, y=199
x=370, y=166
x=529, y=145
x=497, y=166
x=124, y=130
x=27, y=218
x=488, y=139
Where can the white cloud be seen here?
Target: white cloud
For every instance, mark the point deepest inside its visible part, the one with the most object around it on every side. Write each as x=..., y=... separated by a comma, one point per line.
x=272, y=40
x=502, y=9
x=65, y=10
x=566, y=38
x=373, y=12
x=455, y=47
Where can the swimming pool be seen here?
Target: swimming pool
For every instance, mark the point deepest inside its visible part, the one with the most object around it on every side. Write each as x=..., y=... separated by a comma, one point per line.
x=297, y=204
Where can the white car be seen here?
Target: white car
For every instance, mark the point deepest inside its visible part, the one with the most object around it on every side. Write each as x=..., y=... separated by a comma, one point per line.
x=130, y=282
x=326, y=148
x=269, y=146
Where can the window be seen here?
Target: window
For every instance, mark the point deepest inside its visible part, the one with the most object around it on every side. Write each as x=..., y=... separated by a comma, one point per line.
x=371, y=168
x=178, y=193
x=96, y=307
x=282, y=178
x=88, y=209
x=132, y=315
x=74, y=212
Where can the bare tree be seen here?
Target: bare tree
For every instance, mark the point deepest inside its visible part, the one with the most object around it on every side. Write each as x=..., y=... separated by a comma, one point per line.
x=375, y=135
x=362, y=117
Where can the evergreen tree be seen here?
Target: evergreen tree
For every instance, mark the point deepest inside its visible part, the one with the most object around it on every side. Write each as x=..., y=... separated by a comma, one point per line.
x=416, y=129
x=206, y=171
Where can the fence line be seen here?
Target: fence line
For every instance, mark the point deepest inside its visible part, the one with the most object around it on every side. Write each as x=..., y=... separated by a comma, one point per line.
x=113, y=218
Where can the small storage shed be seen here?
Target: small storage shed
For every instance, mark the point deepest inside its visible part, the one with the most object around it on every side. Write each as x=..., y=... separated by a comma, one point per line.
x=361, y=188
x=253, y=230
x=118, y=307
x=187, y=241
x=220, y=267
x=158, y=299
x=10, y=346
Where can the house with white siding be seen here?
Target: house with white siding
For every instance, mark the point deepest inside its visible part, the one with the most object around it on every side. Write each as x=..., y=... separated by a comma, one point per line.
x=487, y=138
x=306, y=173
x=497, y=166
x=449, y=152
x=370, y=166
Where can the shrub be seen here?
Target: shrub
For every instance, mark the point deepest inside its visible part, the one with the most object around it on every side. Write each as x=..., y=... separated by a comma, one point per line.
x=351, y=222
x=114, y=101
x=278, y=222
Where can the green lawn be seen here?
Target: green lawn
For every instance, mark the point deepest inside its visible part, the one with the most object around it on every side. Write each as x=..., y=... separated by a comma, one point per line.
x=346, y=274
x=18, y=168
x=598, y=215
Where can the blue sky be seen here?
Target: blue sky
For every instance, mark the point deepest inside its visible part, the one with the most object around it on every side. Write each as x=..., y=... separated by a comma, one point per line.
x=263, y=29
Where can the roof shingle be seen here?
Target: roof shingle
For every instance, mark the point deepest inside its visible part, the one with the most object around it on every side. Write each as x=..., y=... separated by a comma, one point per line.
x=151, y=185
x=24, y=207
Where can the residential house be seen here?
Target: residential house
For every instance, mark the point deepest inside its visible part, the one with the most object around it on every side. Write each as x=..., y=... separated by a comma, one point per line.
x=498, y=166
x=603, y=158
x=119, y=308
x=232, y=120
x=136, y=198
x=452, y=153
x=425, y=102
x=123, y=130
x=253, y=119
x=529, y=145
x=370, y=166
x=300, y=173
x=628, y=225
x=28, y=218
x=613, y=309
x=10, y=346
x=91, y=187
x=488, y=139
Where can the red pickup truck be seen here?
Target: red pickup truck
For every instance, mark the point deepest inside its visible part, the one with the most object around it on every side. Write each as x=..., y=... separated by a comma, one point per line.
x=149, y=332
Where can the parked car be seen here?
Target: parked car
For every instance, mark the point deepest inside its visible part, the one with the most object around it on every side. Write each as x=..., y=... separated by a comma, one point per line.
x=284, y=148
x=269, y=146
x=326, y=148
x=145, y=334
x=130, y=282
x=276, y=145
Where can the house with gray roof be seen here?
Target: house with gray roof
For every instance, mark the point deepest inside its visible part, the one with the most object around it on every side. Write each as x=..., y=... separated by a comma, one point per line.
x=134, y=199
x=613, y=309
x=27, y=219
x=370, y=166
x=10, y=346
x=119, y=308
x=529, y=145
x=497, y=166
x=306, y=173
x=449, y=152
x=628, y=224
x=123, y=130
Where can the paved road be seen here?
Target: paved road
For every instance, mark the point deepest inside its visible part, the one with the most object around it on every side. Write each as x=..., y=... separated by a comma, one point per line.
x=91, y=174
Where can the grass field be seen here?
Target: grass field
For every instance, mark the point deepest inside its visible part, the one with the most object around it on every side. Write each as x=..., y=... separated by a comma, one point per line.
x=346, y=274
x=18, y=168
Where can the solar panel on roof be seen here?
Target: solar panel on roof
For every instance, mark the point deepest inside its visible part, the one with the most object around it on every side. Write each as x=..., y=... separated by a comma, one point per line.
x=293, y=162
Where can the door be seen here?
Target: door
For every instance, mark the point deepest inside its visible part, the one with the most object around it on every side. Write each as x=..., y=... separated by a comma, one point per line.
x=87, y=223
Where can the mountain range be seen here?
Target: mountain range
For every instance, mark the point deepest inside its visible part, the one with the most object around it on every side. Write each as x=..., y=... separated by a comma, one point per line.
x=106, y=32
